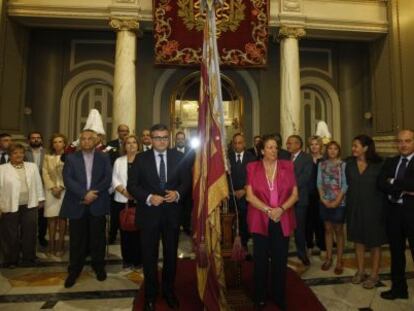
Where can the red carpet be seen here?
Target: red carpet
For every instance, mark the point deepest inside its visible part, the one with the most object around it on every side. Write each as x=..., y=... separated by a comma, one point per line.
x=299, y=296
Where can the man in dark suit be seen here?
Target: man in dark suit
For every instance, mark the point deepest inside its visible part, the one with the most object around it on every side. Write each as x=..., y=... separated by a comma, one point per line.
x=239, y=158
x=116, y=145
x=158, y=180
x=397, y=181
x=87, y=177
x=115, y=152
x=189, y=156
x=5, y=141
x=303, y=170
x=282, y=154
x=146, y=143
x=255, y=150
x=35, y=154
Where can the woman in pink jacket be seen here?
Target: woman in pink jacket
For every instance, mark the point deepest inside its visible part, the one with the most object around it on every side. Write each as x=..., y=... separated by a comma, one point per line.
x=271, y=192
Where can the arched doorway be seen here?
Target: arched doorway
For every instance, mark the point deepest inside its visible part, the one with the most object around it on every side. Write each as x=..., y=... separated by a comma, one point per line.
x=184, y=103
x=87, y=90
x=319, y=101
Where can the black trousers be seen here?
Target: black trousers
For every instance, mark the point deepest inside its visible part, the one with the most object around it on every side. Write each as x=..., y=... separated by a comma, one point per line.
x=300, y=232
x=150, y=237
x=400, y=223
x=274, y=246
x=130, y=243
x=87, y=236
x=41, y=225
x=315, y=230
x=18, y=233
x=114, y=224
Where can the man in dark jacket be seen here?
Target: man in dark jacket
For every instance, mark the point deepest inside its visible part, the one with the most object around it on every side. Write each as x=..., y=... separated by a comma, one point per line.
x=87, y=177
x=159, y=180
x=397, y=181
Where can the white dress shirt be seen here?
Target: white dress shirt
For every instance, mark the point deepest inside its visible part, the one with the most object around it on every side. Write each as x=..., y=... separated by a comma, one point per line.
x=241, y=156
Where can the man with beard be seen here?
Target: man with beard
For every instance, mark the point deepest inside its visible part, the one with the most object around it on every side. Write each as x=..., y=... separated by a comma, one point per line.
x=35, y=154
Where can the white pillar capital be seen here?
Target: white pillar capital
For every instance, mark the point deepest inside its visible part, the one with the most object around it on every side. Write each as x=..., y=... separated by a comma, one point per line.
x=124, y=24
x=291, y=32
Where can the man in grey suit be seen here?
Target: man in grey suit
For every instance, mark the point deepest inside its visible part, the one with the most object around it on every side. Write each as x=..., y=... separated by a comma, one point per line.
x=303, y=169
x=35, y=154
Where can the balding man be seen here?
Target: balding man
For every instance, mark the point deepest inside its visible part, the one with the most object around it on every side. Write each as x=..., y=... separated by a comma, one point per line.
x=87, y=177
x=146, y=142
x=397, y=181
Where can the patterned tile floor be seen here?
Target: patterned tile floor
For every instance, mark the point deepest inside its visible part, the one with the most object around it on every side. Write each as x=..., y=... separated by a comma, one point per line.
x=42, y=287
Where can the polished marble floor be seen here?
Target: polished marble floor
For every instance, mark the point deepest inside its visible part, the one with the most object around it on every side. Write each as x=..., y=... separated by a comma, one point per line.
x=38, y=288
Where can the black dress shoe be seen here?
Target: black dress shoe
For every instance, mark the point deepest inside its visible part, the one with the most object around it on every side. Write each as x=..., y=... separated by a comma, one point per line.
x=70, y=280
x=305, y=261
x=391, y=295
x=100, y=275
x=149, y=306
x=171, y=301
x=43, y=242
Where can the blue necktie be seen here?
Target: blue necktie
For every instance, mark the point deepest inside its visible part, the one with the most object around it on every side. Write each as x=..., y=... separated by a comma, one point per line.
x=163, y=179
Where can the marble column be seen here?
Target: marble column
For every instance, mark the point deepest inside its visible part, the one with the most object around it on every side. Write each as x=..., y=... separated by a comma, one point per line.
x=290, y=98
x=124, y=106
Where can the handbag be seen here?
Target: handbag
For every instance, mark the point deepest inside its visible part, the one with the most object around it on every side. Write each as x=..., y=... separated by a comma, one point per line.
x=127, y=218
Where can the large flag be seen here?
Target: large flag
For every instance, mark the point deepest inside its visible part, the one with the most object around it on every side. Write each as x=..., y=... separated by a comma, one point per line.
x=210, y=182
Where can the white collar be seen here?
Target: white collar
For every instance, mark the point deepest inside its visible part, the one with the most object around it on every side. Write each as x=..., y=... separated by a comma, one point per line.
x=407, y=157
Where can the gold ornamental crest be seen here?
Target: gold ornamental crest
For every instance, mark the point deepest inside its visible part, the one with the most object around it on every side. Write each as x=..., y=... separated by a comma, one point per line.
x=228, y=16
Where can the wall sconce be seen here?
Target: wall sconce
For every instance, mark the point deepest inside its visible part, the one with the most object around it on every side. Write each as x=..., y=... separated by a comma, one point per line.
x=368, y=115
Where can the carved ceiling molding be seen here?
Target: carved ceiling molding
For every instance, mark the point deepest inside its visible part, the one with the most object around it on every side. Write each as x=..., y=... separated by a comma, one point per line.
x=326, y=18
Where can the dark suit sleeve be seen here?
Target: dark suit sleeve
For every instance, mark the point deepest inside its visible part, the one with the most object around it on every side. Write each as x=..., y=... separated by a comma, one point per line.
x=134, y=185
x=302, y=179
x=69, y=179
x=406, y=183
x=387, y=172
x=105, y=183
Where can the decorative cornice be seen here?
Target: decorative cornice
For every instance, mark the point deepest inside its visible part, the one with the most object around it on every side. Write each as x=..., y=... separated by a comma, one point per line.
x=124, y=24
x=291, y=32
x=291, y=6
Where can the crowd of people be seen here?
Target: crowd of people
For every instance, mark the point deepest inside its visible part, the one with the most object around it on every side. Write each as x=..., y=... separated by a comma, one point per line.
x=309, y=191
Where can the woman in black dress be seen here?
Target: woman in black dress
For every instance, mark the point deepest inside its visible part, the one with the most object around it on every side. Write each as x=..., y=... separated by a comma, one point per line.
x=365, y=208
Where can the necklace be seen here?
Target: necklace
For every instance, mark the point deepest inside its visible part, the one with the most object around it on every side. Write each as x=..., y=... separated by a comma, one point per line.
x=18, y=166
x=271, y=183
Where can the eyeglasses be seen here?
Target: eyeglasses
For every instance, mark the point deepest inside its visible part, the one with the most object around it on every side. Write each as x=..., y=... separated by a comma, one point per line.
x=160, y=138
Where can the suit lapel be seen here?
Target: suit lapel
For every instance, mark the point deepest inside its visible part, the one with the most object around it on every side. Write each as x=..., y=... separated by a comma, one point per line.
x=153, y=173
